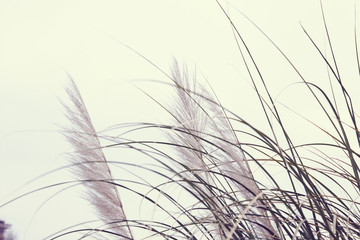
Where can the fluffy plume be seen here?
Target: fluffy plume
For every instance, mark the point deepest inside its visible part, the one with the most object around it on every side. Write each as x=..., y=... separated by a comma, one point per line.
x=210, y=145
x=91, y=167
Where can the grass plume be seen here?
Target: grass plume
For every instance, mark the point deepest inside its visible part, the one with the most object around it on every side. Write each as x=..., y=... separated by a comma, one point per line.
x=90, y=166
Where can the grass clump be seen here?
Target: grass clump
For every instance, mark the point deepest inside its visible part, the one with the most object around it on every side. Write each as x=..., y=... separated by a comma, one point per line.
x=209, y=157
x=215, y=175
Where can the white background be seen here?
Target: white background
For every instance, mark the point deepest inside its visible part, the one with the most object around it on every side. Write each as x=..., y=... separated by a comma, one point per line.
x=43, y=41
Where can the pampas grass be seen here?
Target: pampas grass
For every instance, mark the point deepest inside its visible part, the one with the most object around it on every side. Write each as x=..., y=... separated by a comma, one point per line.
x=214, y=175
x=208, y=160
x=91, y=167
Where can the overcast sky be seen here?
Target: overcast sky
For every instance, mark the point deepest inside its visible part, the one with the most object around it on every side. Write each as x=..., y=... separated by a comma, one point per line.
x=42, y=41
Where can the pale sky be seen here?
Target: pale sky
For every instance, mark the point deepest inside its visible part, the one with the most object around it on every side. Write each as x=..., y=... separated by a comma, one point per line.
x=41, y=41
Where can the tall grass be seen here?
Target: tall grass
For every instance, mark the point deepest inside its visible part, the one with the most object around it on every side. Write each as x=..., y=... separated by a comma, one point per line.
x=209, y=155
x=199, y=181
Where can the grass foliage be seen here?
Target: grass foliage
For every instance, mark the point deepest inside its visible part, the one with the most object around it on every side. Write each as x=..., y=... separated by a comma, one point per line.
x=200, y=182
